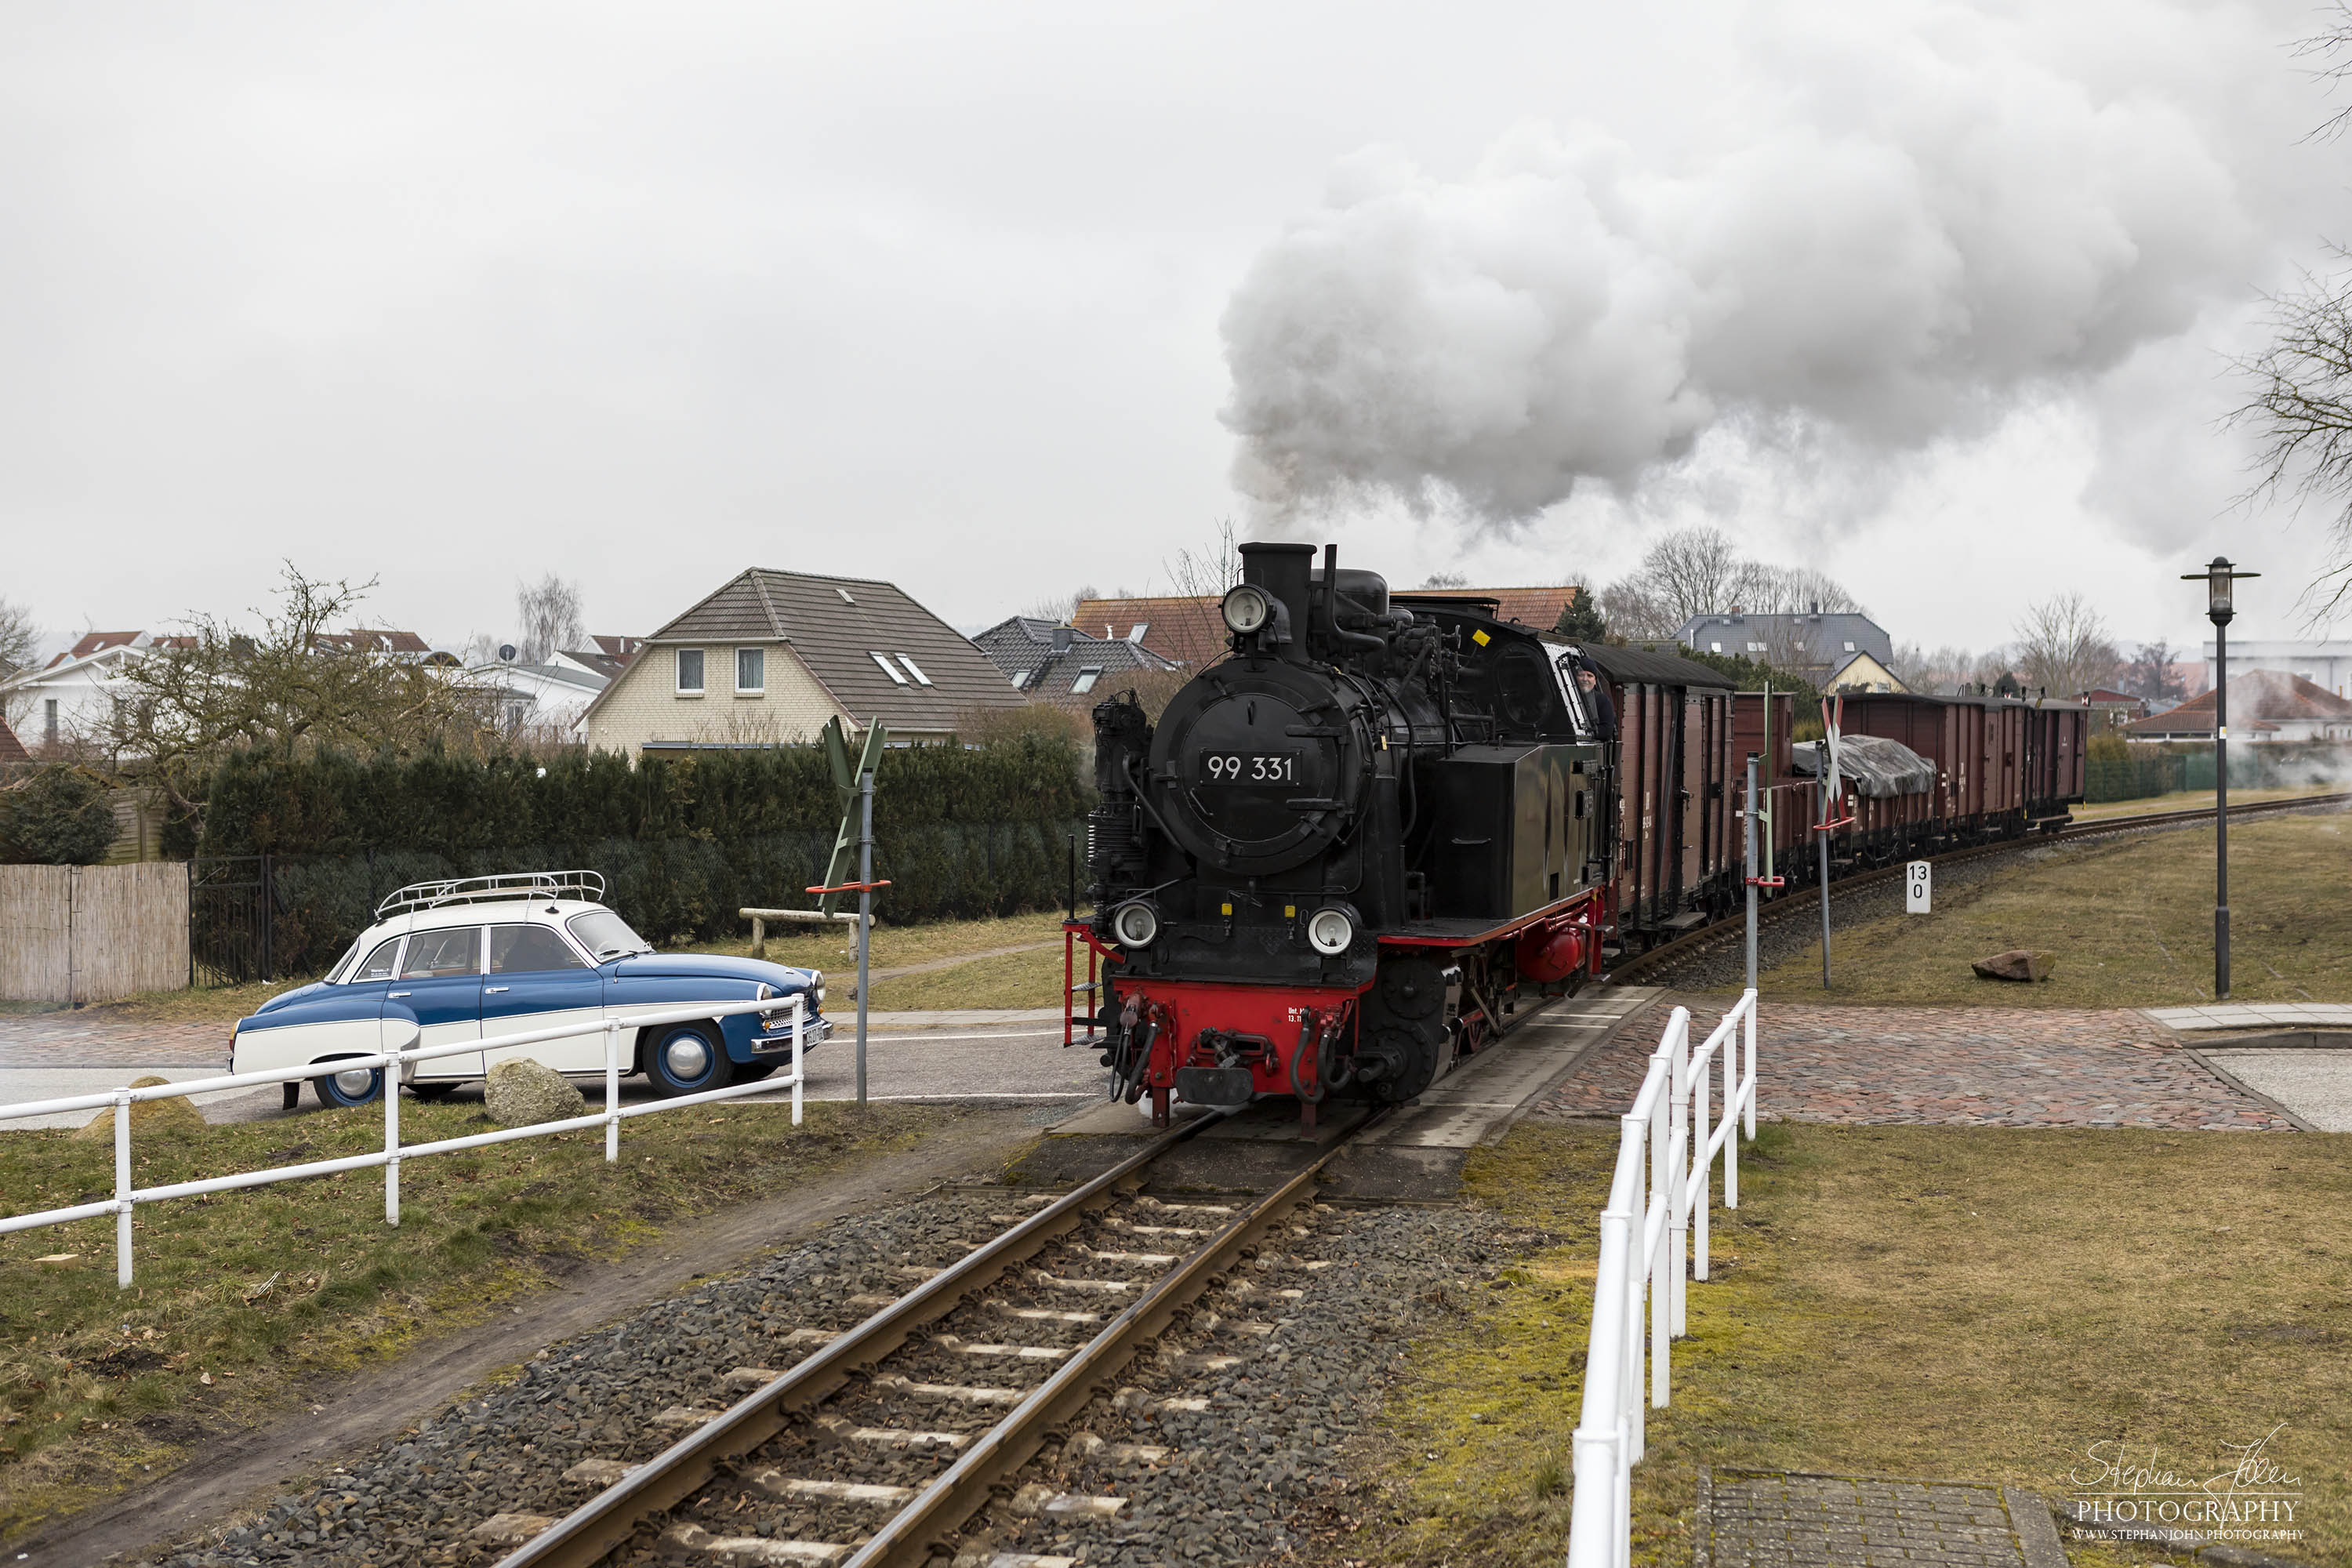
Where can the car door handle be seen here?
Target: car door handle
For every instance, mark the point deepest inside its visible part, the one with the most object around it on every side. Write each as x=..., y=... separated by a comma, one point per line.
x=492, y=990
x=396, y=993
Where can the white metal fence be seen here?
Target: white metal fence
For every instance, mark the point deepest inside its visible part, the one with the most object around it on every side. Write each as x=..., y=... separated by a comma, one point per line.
x=1654, y=1237
x=392, y=1061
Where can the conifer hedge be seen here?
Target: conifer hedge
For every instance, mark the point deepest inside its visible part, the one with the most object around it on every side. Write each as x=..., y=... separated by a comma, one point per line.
x=683, y=841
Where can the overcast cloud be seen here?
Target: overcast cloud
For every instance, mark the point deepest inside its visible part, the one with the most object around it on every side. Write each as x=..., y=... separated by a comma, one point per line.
x=969, y=299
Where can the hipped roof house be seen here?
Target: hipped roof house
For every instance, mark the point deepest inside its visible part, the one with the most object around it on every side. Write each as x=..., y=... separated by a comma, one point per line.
x=769, y=656
x=2264, y=705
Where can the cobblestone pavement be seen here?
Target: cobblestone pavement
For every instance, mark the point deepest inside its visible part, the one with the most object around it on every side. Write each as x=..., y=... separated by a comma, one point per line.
x=94, y=1040
x=1761, y=1521
x=1950, y=1066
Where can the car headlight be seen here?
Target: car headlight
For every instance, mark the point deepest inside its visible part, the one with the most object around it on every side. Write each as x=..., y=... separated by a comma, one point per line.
x=1135, y=924
x=765, y=993
x=1246, y=608
x=1329, y=931
x=816, y=986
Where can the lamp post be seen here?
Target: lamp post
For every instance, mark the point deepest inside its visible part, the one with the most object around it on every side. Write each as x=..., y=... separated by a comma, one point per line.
x=2219, y=605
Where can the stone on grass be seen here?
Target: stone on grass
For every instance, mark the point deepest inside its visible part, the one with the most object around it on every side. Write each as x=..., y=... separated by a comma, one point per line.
x=148, y=1117
x=519, y=1092
x=2017, y=964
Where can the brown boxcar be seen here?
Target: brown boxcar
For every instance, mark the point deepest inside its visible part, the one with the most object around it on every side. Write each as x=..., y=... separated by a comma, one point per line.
x=1677, y=856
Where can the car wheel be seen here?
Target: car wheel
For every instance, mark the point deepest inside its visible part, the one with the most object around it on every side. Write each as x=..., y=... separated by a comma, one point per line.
x=687, y=1058
x=431, y=1091
x=358, y=1085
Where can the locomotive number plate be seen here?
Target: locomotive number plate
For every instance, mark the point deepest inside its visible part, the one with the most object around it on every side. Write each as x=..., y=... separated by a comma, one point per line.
x=1249, y=767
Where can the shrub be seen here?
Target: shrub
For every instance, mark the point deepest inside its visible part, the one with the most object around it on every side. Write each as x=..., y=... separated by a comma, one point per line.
x=58, y=817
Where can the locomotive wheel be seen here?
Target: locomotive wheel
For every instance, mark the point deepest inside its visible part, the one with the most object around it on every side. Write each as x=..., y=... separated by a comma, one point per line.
x=1412, y=989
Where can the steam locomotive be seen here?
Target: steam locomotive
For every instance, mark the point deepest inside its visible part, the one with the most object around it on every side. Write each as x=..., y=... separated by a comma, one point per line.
x=1348, y=853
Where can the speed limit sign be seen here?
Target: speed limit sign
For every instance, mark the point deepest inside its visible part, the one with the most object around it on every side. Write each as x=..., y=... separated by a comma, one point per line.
x=1918, y=879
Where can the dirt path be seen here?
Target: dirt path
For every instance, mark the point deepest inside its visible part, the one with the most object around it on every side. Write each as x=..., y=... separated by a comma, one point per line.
x=238, y=1470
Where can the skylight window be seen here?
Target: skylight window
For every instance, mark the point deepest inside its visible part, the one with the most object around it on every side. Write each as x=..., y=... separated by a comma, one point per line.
x=1849, y=647
x=845, y=596
x=888, y=667
x=1136, y=634
x=1087, y=678
x=1020, y=679
x=915, y=670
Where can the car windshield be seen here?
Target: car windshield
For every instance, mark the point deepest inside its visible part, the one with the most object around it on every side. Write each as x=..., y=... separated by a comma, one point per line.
x=336, y=975
x=606, y=934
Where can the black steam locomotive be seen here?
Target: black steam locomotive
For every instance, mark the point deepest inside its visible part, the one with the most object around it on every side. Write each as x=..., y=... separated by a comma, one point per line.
x=1348, y=852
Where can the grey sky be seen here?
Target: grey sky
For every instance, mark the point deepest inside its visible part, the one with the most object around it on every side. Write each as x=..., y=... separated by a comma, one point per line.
x=454, y=295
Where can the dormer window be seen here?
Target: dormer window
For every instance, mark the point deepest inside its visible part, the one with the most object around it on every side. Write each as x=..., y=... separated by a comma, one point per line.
x=915, y=670
x=888, y=667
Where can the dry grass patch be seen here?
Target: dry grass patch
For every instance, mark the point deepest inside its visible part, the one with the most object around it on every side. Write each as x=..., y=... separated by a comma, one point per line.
x=1013, y=962
x=2126, y=924
x=197, y=1004
x=245, y=1299
x=2189, y=800
x=1967, y=1304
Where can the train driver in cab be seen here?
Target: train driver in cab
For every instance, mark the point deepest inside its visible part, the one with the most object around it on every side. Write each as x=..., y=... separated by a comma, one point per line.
x=1596, y=698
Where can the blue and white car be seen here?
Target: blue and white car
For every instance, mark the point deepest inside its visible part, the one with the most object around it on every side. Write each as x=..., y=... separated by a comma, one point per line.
x=483, y=956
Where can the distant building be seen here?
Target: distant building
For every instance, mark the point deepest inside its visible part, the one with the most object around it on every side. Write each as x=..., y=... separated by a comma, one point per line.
x=1860, y=671
x=1837, y=650
x=1191, y=632
x=2327, y=665
x=768, y=657
x=607, y=657
x=2113, y=708
x=2265, y=705
x=12, y=749
x=1064, y=664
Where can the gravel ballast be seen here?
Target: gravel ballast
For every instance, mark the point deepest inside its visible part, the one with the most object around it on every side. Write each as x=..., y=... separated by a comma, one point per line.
x=1272, y=1437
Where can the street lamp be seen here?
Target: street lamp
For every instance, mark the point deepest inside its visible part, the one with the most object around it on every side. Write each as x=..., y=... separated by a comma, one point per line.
x=2219, y=605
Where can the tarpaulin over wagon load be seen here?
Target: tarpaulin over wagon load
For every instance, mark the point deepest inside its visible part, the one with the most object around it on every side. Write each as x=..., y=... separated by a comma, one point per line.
x=1878, y=769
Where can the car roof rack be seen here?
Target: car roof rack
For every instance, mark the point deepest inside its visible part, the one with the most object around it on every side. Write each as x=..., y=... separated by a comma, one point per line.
x=586, y=885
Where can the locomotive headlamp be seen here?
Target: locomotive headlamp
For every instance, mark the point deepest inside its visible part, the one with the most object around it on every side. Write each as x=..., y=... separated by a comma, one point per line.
x=1246, y=608
x=1135, y=924
x=1329, y=931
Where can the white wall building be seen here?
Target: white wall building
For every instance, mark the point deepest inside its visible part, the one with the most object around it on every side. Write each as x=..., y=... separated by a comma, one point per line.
x=2327, y=665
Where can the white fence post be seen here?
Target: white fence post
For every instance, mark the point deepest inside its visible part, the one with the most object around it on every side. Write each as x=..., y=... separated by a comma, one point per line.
x=391, y=1070
x=612, y=1090
x=799, y=1013
x=122, y=1189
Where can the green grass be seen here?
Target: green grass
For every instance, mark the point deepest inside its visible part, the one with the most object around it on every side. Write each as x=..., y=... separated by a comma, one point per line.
x=1966, y=1304
x=95, y=1383
x=1027, y=979
x=2189, y=800
x=2125, y=923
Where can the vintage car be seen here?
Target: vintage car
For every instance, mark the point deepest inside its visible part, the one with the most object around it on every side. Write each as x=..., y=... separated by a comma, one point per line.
x=482, y=957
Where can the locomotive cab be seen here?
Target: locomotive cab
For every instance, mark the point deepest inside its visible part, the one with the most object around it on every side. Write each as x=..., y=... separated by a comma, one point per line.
x=1348, y=852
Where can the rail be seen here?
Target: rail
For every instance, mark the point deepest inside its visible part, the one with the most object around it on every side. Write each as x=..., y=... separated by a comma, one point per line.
x=1654, y=1241
x=392, y=1061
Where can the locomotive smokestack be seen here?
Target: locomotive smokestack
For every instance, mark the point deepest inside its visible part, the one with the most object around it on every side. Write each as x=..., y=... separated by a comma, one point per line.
x=1285, y=571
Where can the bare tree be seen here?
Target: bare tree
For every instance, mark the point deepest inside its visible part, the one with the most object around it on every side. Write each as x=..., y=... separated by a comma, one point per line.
x=2149, y=674
x=2062, y=648
x=1934, y=671
x=283, y=689
x=20, y=637
x=1691, y=571
x=1633, y=610
x=550, y=619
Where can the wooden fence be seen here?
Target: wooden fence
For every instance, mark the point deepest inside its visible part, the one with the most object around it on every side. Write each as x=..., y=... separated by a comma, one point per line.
x=93, y=933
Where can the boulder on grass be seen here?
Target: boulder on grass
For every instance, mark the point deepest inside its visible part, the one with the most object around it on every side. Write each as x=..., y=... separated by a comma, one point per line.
x=148, y=1117
x=520, y=1092
x=2017, y=964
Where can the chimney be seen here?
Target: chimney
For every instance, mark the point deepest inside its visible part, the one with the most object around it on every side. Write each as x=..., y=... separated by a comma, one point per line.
x=1061, y=639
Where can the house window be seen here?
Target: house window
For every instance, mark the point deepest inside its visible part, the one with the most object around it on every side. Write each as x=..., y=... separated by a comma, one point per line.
x=750, y=669
x=888, y=667
x=1020, y=679
x=1714, y=647
x=49, y=718
x=1141, y=627
x=1087, y=678
x=1755, y=647
x=689, y=672
x=1849, y=647
x=845, y=596
x=915, y=670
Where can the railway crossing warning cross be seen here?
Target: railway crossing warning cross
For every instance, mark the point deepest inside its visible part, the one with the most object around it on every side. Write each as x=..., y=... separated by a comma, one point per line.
x=1919, y=878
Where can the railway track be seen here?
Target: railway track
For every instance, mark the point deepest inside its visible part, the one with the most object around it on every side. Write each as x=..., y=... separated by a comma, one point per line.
x=892, y=1433
x=1708, y=939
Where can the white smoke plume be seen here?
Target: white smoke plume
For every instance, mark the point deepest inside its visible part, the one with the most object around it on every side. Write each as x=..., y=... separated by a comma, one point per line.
x=1912, y=220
